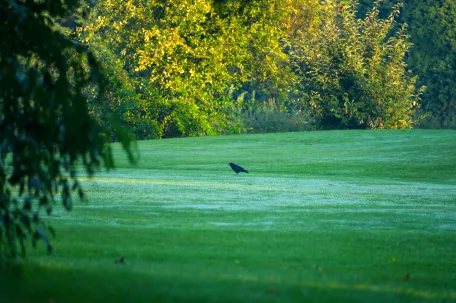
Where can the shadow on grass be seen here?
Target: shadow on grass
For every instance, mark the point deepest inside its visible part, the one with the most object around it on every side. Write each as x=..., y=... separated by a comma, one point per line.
x=52, y=284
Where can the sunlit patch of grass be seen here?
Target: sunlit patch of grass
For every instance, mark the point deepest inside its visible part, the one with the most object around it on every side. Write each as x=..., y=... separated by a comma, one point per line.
x=320, y=217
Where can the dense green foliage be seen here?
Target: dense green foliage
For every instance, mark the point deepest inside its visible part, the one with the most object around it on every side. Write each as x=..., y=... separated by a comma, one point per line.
x=180, y=68
x=329, y=216
x=45, y=125
x=272, y=116
x=432, y=28
x=186, y=59
x=352, y=70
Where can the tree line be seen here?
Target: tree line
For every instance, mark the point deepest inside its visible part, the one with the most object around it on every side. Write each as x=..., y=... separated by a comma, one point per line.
x=179, y=68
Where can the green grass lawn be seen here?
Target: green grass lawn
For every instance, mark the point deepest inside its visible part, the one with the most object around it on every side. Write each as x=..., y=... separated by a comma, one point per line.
x=333, y=216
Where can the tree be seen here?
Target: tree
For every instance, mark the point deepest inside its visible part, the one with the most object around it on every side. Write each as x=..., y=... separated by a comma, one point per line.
x=433, y=32
x=432, y=29
x=188, y=58
x=46, y=130
x=352, y=71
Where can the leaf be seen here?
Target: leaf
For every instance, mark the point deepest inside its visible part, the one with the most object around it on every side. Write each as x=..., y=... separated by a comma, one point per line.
x=21, y=188
x=52, y=231
x=27, y=222
x=27, y=204
x=42, y=236
x=35, y=237
x=81, y=194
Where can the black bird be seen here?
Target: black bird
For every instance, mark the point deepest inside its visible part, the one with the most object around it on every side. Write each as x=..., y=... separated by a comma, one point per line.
x=237, y=169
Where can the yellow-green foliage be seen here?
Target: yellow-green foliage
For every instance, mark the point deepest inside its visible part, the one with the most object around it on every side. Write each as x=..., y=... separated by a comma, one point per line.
x=194, y=53
x=178, y=67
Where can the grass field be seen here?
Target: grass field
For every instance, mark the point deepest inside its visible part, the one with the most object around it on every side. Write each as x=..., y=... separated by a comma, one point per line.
x=333, y=216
